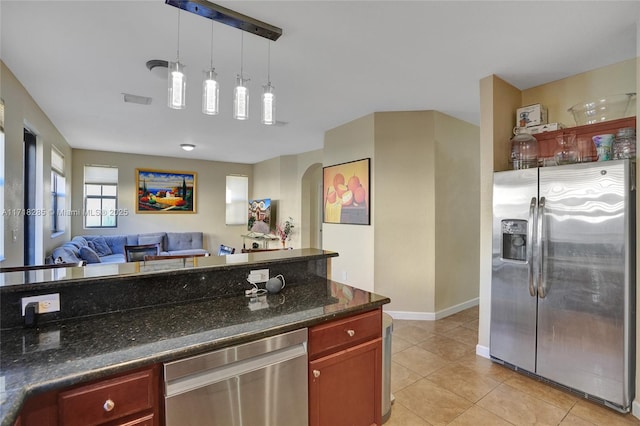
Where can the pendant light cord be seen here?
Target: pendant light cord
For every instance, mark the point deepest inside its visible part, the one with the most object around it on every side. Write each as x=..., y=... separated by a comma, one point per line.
x=178, y=50
x=269, y=63
x=212, y=44
x=241, y=53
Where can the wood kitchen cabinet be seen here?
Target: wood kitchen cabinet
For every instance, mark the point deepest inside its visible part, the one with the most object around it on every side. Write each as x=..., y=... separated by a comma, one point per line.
x=345, y=371
x=130, y=399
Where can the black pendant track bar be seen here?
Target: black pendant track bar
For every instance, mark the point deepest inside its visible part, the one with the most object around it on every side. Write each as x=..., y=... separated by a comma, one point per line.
x=228, y=16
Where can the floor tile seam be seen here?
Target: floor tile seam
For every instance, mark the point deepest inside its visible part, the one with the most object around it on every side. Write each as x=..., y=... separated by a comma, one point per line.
x=581, y=418
x=422, y=375
x=413, y=412
x=531, y=396
x=592, y=421
x=483, y=408
x=481, y=379
x=544, y=400
x=415, y=340
x=445, y=356
x=463, y=396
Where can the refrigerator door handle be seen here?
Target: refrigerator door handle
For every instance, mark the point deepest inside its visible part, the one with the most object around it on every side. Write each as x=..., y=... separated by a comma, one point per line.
x=530, y=229
x=542, y=283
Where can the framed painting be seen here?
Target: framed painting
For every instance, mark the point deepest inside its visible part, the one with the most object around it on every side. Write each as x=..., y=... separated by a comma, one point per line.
x=346, y=192
x=161, y=191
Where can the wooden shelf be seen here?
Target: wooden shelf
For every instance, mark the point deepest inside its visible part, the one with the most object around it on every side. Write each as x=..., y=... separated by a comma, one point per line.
x=547, y=143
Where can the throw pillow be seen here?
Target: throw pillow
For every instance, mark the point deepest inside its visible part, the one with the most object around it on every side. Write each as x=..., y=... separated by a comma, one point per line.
x=102, y=248
x=91, y=245
x=89, y=255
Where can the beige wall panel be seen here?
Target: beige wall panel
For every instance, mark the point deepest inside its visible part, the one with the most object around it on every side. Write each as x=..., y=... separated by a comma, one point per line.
x=457, y=211
x=405, y=210
x=21, y=111
x=505, y=100
x=355, y=243
x=560, y=95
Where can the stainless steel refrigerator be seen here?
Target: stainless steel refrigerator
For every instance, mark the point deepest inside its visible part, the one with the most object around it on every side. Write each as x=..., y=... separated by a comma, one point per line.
x=563, y=277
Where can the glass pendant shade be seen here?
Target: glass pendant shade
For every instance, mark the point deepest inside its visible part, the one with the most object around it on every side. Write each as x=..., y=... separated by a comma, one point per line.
x=210, y=93
x=241, y=100
x=177, y=85
x=268, y=105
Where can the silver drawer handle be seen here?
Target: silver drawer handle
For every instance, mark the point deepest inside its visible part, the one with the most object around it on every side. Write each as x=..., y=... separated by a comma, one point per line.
x=351, y=333
x=109, y=405
x=316, y=373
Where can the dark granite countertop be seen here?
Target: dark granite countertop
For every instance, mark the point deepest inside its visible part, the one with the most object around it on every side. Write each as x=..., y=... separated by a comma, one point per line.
x=69, y=352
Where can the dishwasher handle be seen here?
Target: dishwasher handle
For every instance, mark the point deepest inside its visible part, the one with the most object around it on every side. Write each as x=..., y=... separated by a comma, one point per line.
x=234, y=369
x=221, y=357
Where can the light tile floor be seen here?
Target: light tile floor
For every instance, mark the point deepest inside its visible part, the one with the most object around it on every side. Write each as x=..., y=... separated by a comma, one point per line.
x=437, y=379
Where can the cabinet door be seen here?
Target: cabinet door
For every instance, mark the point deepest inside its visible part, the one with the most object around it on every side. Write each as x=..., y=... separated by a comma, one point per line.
x=345, y=387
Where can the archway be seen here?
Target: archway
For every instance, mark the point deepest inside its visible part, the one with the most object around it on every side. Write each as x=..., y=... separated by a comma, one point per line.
x=311, y=197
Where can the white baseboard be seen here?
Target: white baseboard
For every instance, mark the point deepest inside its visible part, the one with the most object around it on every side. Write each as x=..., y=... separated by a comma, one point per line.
x=457, y=308
x=483, y=351
x=405, y=315
x=432, y=316
x=635, y=408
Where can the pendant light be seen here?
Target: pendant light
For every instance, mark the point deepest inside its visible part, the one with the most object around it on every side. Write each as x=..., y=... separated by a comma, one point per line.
x=268, y=96
x=177, y=79
x=210, y=86
x=241, y=92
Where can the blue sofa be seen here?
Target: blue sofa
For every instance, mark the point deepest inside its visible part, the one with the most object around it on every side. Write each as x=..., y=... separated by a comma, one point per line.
x=110, y=248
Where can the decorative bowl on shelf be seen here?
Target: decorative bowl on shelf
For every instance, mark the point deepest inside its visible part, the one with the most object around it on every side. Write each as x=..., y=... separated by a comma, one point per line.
x=606, y=108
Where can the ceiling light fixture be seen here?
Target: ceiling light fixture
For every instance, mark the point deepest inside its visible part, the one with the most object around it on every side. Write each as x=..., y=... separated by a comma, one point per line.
x=229, y=17
x=177, y=79
x=210, y=87
x=241, y=92
x=187, y=146
x=268, y=96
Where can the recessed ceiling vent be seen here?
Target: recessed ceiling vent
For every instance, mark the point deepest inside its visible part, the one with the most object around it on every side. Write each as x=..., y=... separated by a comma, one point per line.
x=135, y=99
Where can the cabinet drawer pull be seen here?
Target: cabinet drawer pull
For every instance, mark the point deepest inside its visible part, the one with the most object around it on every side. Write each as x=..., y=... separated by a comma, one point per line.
x=351, y=333
x=316, y=373
x=109, y=405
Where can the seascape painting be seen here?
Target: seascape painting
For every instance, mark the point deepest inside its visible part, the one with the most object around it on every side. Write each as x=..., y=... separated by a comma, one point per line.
x=165, y=191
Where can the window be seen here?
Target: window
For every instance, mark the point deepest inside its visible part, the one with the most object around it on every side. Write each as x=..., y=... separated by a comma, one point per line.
x=237, y=198
x=58, y=183
x=100, y=197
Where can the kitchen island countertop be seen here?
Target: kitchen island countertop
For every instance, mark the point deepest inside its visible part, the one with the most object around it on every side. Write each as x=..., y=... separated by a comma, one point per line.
x=70, y=352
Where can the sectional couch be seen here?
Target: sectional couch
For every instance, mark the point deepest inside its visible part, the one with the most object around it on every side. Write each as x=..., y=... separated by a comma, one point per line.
x=110, y=248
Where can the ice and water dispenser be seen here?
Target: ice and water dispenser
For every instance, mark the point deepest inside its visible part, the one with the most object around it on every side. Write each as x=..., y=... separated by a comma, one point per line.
x=514, y=239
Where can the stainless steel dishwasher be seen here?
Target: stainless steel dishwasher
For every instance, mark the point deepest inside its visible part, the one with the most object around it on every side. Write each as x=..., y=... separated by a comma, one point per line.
x=260, y=383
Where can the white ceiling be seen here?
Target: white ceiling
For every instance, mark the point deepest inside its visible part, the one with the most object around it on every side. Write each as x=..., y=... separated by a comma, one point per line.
x=336, y=61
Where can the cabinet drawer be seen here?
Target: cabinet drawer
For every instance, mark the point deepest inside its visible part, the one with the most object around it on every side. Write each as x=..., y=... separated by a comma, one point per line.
x=107, y=400
x=341, y=334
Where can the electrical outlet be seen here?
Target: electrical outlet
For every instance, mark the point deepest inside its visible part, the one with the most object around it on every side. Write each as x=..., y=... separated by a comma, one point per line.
x=46, y=303
x=258, y=276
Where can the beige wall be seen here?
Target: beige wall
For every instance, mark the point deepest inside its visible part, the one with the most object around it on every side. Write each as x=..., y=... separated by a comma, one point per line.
x=355, y=243
x=498, y=103
x=457, y=201
x=404, y=206
x=424, y=202
x=426, y=185
x=560, y=95
x=210, y=197
x=21, y=111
